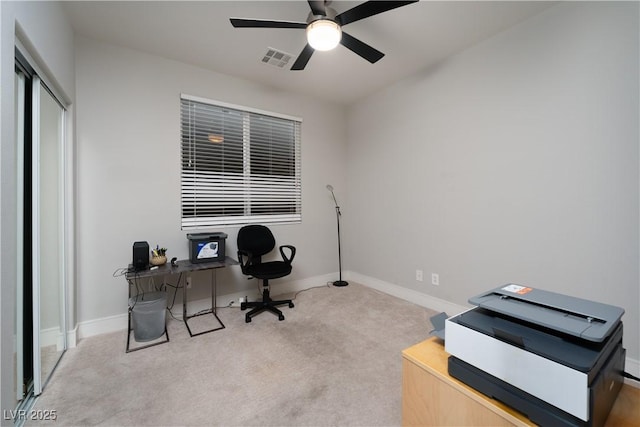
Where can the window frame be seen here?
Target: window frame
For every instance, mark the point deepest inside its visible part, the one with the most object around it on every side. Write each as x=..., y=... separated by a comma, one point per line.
x=194, y=182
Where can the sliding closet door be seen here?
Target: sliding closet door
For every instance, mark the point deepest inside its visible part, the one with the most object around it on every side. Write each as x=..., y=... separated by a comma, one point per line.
x=47, y=233
x=19, y=350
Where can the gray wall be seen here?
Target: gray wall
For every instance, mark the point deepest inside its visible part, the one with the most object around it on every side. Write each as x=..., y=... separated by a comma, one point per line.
x=514, y=161
x=128, y=177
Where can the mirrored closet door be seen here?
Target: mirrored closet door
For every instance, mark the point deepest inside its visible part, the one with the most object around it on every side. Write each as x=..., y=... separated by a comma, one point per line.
x=40, y=314
x=48, y=248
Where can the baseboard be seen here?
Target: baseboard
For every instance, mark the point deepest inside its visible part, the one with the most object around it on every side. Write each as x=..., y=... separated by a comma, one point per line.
x=52, y=337
x=119, y=322
x=406, y=294
x=632, y=366
x=72, y=337
x=103, y=325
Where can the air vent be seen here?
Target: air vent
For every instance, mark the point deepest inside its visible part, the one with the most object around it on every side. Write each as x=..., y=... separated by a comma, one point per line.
x=276, y=57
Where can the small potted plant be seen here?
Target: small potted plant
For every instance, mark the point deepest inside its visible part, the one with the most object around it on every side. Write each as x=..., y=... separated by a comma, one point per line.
x=158, y=256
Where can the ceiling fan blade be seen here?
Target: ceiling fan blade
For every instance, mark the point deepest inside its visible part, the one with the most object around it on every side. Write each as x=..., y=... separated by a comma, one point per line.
x=303, y=58
x=368, y=9
x=317, y=7
x=364, y=50
x=263, y=23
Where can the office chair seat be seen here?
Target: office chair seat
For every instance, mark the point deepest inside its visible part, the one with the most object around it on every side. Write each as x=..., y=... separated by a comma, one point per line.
x=255, y=241
x=269, y=270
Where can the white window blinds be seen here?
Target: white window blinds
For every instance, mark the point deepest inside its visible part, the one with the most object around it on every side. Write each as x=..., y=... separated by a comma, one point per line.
x=239, y=166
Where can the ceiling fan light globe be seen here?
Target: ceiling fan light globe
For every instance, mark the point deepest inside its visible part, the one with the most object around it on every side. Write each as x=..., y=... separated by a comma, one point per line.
x=324, y=34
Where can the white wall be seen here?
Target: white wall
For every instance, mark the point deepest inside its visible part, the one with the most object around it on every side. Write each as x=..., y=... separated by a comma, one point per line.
x=128, y=179
x=514, y=161
x=45, y=33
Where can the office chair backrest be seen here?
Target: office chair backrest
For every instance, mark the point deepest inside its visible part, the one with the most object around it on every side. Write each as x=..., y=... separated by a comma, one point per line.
x=256, y=239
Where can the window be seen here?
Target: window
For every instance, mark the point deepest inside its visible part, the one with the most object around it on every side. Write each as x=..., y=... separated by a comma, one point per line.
x=239, y=166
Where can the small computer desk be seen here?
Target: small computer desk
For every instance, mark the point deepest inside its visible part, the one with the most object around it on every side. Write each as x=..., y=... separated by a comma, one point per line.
x=182, y=266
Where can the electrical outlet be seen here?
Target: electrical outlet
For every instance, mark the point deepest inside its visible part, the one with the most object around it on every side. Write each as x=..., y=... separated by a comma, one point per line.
x=419, y=275
x=188, y=282
x=241, y=299
x=435, y=279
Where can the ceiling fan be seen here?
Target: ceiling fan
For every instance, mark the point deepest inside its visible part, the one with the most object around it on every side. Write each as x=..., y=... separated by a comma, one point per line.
x=324, y=28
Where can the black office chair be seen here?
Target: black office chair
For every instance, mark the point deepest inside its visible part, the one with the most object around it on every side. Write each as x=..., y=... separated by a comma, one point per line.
x=255, y=241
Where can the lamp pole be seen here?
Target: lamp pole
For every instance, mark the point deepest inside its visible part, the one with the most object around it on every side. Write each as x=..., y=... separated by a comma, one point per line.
x=339, y=282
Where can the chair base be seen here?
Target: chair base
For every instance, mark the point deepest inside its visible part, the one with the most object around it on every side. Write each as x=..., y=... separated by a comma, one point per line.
x=267, y=304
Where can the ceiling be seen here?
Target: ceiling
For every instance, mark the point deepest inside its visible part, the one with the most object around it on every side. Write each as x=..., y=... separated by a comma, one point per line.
x=413, y=37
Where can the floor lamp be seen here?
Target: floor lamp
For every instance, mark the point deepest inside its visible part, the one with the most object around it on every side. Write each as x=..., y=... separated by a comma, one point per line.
x=339, y=282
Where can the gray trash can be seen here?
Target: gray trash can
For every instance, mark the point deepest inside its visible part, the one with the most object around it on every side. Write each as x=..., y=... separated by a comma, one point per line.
x=148, y=315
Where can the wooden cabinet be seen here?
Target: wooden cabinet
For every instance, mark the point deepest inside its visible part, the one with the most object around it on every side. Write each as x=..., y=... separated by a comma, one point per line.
x=430, y=397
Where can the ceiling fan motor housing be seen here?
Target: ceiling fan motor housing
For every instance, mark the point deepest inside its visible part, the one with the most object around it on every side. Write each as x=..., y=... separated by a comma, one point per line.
x=329, y=13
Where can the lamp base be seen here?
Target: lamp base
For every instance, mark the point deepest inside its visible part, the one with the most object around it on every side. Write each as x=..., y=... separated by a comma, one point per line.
x=340, y=283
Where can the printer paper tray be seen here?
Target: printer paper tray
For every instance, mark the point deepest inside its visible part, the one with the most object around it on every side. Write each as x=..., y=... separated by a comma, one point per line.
x=537, y=410
x=603, y=393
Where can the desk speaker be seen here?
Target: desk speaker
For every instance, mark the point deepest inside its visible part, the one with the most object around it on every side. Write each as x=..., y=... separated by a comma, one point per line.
x=140, y=256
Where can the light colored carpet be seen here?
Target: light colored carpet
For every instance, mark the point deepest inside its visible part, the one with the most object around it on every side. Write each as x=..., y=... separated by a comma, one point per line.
x=334, y=361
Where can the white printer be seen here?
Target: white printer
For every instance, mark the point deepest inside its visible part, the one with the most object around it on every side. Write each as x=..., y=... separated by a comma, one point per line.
x=557, y=359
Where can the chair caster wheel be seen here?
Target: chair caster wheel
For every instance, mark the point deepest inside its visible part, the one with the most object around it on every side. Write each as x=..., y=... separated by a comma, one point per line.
x=247, y=319
x=281, y=317
x=291, y=305
x=243, y=306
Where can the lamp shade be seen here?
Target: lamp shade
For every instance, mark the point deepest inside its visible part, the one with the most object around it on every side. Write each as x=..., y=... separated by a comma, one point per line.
x=323, y=34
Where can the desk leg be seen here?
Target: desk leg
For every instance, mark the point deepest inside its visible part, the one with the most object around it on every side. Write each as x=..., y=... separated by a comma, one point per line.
x=214, y=289
x=184, y=300
x=212, y=310
x=128, y=328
